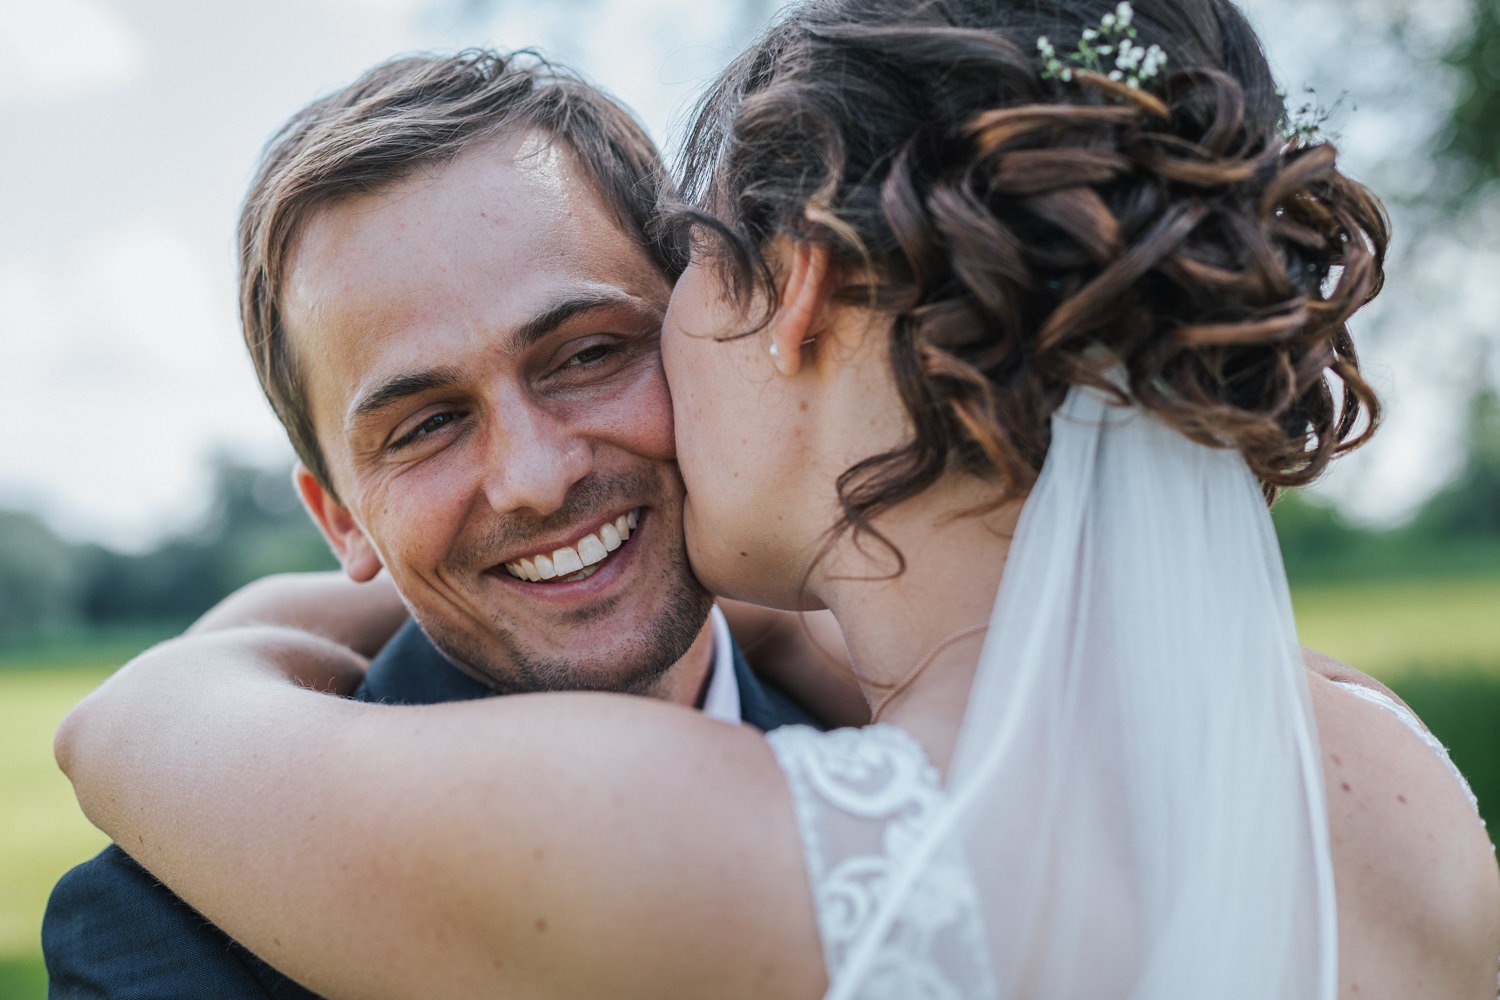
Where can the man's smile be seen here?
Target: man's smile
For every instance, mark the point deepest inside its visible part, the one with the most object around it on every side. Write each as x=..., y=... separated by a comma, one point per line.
x=579, y=560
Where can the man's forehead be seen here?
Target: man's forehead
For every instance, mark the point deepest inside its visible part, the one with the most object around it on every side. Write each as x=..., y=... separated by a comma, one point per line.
x=483, y=246
x=509, y=190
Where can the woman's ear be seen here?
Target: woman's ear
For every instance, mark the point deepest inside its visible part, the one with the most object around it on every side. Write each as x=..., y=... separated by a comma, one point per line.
x=803, y=296
x=347, y=539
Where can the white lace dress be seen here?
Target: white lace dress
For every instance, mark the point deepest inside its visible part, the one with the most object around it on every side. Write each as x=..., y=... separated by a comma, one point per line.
x=863, y=797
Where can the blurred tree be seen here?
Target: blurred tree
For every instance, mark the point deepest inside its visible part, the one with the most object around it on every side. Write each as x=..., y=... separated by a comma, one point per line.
x=1316, y=540
x=257, y=525
x=1456, y=531
x=40, y=580
x=1472, y=138
x=1468, y=508
x=254, y=527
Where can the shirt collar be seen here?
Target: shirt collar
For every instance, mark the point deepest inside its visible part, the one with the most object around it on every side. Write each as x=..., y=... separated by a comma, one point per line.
x=722, y=700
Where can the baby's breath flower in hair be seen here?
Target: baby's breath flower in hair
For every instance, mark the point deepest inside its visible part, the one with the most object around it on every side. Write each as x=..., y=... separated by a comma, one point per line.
x=1109, y=50
x=1307, y=124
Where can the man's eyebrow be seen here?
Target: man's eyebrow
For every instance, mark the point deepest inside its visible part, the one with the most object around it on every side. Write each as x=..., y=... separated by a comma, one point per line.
x=533, y=330
x=561, y=311
x=400, y=387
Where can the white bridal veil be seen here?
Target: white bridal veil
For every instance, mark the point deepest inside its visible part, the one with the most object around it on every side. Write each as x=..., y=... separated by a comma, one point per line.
x=1136, y=789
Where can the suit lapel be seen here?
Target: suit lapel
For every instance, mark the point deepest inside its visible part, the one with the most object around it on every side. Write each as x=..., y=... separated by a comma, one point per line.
x=762, y=705
x=409, y=670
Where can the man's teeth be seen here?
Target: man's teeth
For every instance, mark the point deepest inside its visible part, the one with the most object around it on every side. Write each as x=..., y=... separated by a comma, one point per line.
x=592, y=548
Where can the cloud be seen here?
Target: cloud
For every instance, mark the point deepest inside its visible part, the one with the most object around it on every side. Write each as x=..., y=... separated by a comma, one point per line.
x=398, y=7
x=65, y=48
x=131, y=374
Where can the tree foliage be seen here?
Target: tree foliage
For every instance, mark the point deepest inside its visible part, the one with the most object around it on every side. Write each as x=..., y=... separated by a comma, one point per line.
x=41, y=579
x=1469, y=506
x=254, y=527
x=1456, y=530
x=1472, y=137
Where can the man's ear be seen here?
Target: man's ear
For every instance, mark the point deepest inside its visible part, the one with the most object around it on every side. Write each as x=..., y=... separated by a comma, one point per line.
x=347, y=539
x=804, y=294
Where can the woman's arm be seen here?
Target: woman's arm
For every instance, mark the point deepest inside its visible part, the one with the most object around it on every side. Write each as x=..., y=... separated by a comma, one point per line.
x=361, y=616
x=539, y=845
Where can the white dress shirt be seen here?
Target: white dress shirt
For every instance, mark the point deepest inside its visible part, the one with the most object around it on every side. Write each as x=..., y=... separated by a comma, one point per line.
x=722, y=700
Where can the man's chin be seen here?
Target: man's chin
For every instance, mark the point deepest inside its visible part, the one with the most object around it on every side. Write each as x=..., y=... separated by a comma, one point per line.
x=638, y=663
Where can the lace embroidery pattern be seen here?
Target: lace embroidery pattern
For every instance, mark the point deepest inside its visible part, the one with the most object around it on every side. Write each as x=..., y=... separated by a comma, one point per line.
x=863, y=798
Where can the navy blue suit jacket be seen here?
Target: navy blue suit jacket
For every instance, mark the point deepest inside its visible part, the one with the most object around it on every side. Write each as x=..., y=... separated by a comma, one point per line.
x=113, y=931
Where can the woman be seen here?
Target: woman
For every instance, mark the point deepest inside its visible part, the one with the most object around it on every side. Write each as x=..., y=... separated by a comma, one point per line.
x=995, y=353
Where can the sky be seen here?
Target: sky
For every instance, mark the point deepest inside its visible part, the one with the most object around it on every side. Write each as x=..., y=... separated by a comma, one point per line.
x=131, y=128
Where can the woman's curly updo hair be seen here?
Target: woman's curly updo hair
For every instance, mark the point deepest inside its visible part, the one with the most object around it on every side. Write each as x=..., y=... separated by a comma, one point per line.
x=1028, y=234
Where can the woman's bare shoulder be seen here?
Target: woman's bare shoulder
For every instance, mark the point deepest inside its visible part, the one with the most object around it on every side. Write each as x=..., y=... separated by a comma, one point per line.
x=1418, y=888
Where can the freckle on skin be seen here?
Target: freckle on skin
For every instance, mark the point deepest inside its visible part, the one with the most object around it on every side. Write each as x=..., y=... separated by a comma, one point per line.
x=1337, y=759
x=1344, y=785
x=541, y=926
x=802, y=406
x=538, y=853
x=1401, y=798
x=744, y=555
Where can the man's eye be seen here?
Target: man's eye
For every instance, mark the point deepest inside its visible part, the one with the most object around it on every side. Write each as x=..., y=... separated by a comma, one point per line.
x=426, y=427
x=588, y=356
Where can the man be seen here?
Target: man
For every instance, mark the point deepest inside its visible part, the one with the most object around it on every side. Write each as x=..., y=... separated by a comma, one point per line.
x=452, y=297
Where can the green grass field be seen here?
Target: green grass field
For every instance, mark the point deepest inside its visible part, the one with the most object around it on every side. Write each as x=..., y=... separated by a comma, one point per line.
x=1437, y=642
x=42, y=833
x=1398, y=629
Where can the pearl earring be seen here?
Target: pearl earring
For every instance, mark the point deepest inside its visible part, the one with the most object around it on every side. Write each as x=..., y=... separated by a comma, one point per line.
x=774, y=351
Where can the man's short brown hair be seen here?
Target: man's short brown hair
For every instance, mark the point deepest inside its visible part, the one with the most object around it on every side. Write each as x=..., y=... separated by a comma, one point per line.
x=408, y=113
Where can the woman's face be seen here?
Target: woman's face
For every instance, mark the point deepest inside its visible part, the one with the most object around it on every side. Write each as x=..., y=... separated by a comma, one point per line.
x=744, y=454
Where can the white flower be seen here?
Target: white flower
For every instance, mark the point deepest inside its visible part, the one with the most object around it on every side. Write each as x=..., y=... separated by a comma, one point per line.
x=1113, y=37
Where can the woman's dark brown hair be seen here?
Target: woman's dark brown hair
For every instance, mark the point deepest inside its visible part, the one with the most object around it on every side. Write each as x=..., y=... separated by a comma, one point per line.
x=1028, y=234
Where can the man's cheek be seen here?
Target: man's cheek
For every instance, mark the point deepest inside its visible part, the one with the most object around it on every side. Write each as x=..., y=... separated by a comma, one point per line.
x=640, y=419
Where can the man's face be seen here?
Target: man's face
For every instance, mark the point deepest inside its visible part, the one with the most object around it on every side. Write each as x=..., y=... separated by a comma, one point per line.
x=480, y=348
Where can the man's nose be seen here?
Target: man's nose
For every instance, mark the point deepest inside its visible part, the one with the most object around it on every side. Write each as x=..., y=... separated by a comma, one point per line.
x=536, y=461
